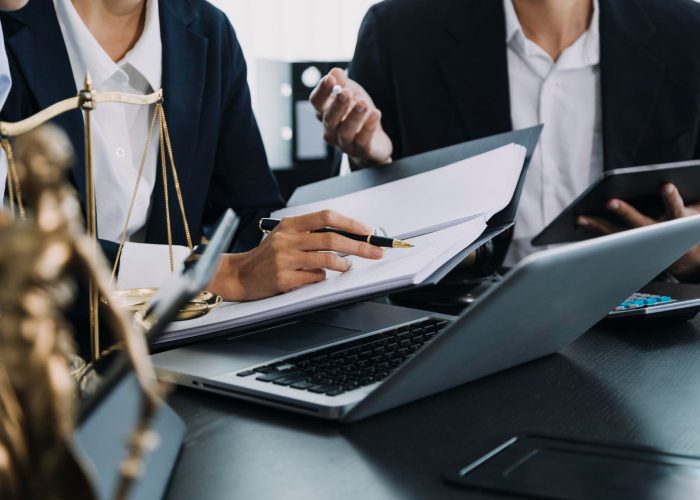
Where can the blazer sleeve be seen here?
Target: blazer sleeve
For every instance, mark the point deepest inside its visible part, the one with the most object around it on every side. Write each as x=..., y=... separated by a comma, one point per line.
x=241, y=179
x=371, y=67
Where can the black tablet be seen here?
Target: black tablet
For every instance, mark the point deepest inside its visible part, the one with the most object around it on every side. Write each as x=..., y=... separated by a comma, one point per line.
x=564, y=468
x=639, y=186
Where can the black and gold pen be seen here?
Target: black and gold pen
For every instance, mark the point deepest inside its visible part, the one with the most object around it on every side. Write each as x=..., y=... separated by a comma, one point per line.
x=267, y=225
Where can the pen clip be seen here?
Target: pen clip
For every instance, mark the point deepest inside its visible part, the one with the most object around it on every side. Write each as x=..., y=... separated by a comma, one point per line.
x=260, y=226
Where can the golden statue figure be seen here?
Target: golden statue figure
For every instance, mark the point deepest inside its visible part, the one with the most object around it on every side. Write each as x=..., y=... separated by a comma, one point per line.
x=39, y=258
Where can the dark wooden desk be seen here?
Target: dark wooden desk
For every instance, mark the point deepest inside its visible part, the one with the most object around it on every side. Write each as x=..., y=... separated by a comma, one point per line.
x=639, y=387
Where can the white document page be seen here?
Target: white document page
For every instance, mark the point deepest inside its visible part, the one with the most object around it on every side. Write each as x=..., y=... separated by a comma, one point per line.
x=399, y=267
x=482, y=184
x=143, y=265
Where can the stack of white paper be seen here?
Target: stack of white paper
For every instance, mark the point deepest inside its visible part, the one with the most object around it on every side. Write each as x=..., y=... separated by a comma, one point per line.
x=447, y=209
x=483, y=184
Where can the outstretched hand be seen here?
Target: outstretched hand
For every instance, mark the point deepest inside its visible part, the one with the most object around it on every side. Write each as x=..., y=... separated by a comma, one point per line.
x=350, y=119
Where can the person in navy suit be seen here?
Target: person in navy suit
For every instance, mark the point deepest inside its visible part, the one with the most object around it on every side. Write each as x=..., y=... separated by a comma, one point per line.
x=189, y=48
x=616, y=84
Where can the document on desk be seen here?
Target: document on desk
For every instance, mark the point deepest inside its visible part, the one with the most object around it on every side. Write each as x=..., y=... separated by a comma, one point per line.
x=433, y=200
x=441, y=212
x=398, y=268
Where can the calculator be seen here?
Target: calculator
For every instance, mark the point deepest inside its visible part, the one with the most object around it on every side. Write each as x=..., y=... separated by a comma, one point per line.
x=659, y=300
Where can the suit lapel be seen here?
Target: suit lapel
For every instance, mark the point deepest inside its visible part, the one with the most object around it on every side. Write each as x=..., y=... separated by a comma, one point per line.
x=41, y=54
x=475, y=68
x=184, y=73
x=631, y=79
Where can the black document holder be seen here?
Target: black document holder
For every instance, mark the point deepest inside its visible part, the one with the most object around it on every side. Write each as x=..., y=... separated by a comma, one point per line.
x=425, y=162
x=376, y=176
x=560, y=468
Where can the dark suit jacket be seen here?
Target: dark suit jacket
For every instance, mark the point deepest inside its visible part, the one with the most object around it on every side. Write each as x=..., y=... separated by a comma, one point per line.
x=438, y=71
x=217, y=147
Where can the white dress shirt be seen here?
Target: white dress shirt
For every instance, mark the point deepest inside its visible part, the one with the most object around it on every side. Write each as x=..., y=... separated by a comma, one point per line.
x=5, y=83
x=119, y=130
x=565, y=96
x=119, y=138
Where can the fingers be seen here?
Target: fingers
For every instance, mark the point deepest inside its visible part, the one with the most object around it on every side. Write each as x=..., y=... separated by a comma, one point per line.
x=675, y=207
x=363, y=139
x=331, y=242
x=348, y=130
x=322, y=260
x=336, y=113
x=340, y=76
x=301, y=278
x=321, y=95
x=629, y=214
x=596, y=225
x=322, y=219
x=350, y=119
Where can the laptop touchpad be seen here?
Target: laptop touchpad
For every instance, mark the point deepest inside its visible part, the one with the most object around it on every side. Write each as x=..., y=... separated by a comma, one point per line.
x=294, y=337
x=225, y=355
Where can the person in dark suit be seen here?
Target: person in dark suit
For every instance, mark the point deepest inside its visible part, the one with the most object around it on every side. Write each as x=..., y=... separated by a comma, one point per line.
x=189, y=48
x=616, y=84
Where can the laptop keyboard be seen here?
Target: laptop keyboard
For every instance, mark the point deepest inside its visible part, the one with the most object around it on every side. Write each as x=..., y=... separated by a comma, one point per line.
x=345, y=367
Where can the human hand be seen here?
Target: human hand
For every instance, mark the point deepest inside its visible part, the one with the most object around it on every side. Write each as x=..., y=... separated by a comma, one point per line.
x=350, y=120
x=687, y=266
x=291, y=257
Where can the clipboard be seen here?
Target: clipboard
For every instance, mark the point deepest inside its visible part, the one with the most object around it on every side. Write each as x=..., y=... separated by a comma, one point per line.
x=639, y=186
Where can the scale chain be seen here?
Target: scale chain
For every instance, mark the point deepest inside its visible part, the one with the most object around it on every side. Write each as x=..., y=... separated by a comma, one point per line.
x=13, y=187
x=139, y=175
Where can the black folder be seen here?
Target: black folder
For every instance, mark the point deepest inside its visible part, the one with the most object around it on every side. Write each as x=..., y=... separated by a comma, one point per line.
x=375, y=176
x=425, y=162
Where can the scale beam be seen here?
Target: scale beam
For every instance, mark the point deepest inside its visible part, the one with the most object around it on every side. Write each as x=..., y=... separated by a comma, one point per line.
x=22, y=127
x=86, y=101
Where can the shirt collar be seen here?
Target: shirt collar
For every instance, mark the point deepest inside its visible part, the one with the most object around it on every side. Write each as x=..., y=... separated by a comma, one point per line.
x=590, y=40
x=513, y=26
x=145, y=57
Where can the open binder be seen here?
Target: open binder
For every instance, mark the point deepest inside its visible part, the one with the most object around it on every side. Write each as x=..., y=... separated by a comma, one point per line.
x=424, y=162
x=253, y=315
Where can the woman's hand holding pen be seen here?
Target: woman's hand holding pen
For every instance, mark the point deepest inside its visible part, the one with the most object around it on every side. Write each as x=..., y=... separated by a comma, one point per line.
x=350, y=119
x=291, y=257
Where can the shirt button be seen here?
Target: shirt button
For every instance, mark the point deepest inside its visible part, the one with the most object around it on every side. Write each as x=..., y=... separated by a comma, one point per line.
x=121, y=152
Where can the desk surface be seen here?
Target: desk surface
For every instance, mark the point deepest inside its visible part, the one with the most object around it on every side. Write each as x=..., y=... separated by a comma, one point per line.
x=639, y=387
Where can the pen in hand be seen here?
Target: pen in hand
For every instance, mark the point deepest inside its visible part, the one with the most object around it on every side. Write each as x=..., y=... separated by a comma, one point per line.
x=267, y=225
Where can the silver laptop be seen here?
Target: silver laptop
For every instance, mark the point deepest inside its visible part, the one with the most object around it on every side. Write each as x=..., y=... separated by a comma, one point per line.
x=352, y=362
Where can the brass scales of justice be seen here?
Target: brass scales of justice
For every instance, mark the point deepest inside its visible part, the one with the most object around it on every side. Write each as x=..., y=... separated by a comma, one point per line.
x=87, y=101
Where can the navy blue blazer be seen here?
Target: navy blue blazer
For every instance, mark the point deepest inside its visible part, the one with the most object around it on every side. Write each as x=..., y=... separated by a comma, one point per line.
x=438, y=70
x=216, y=142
